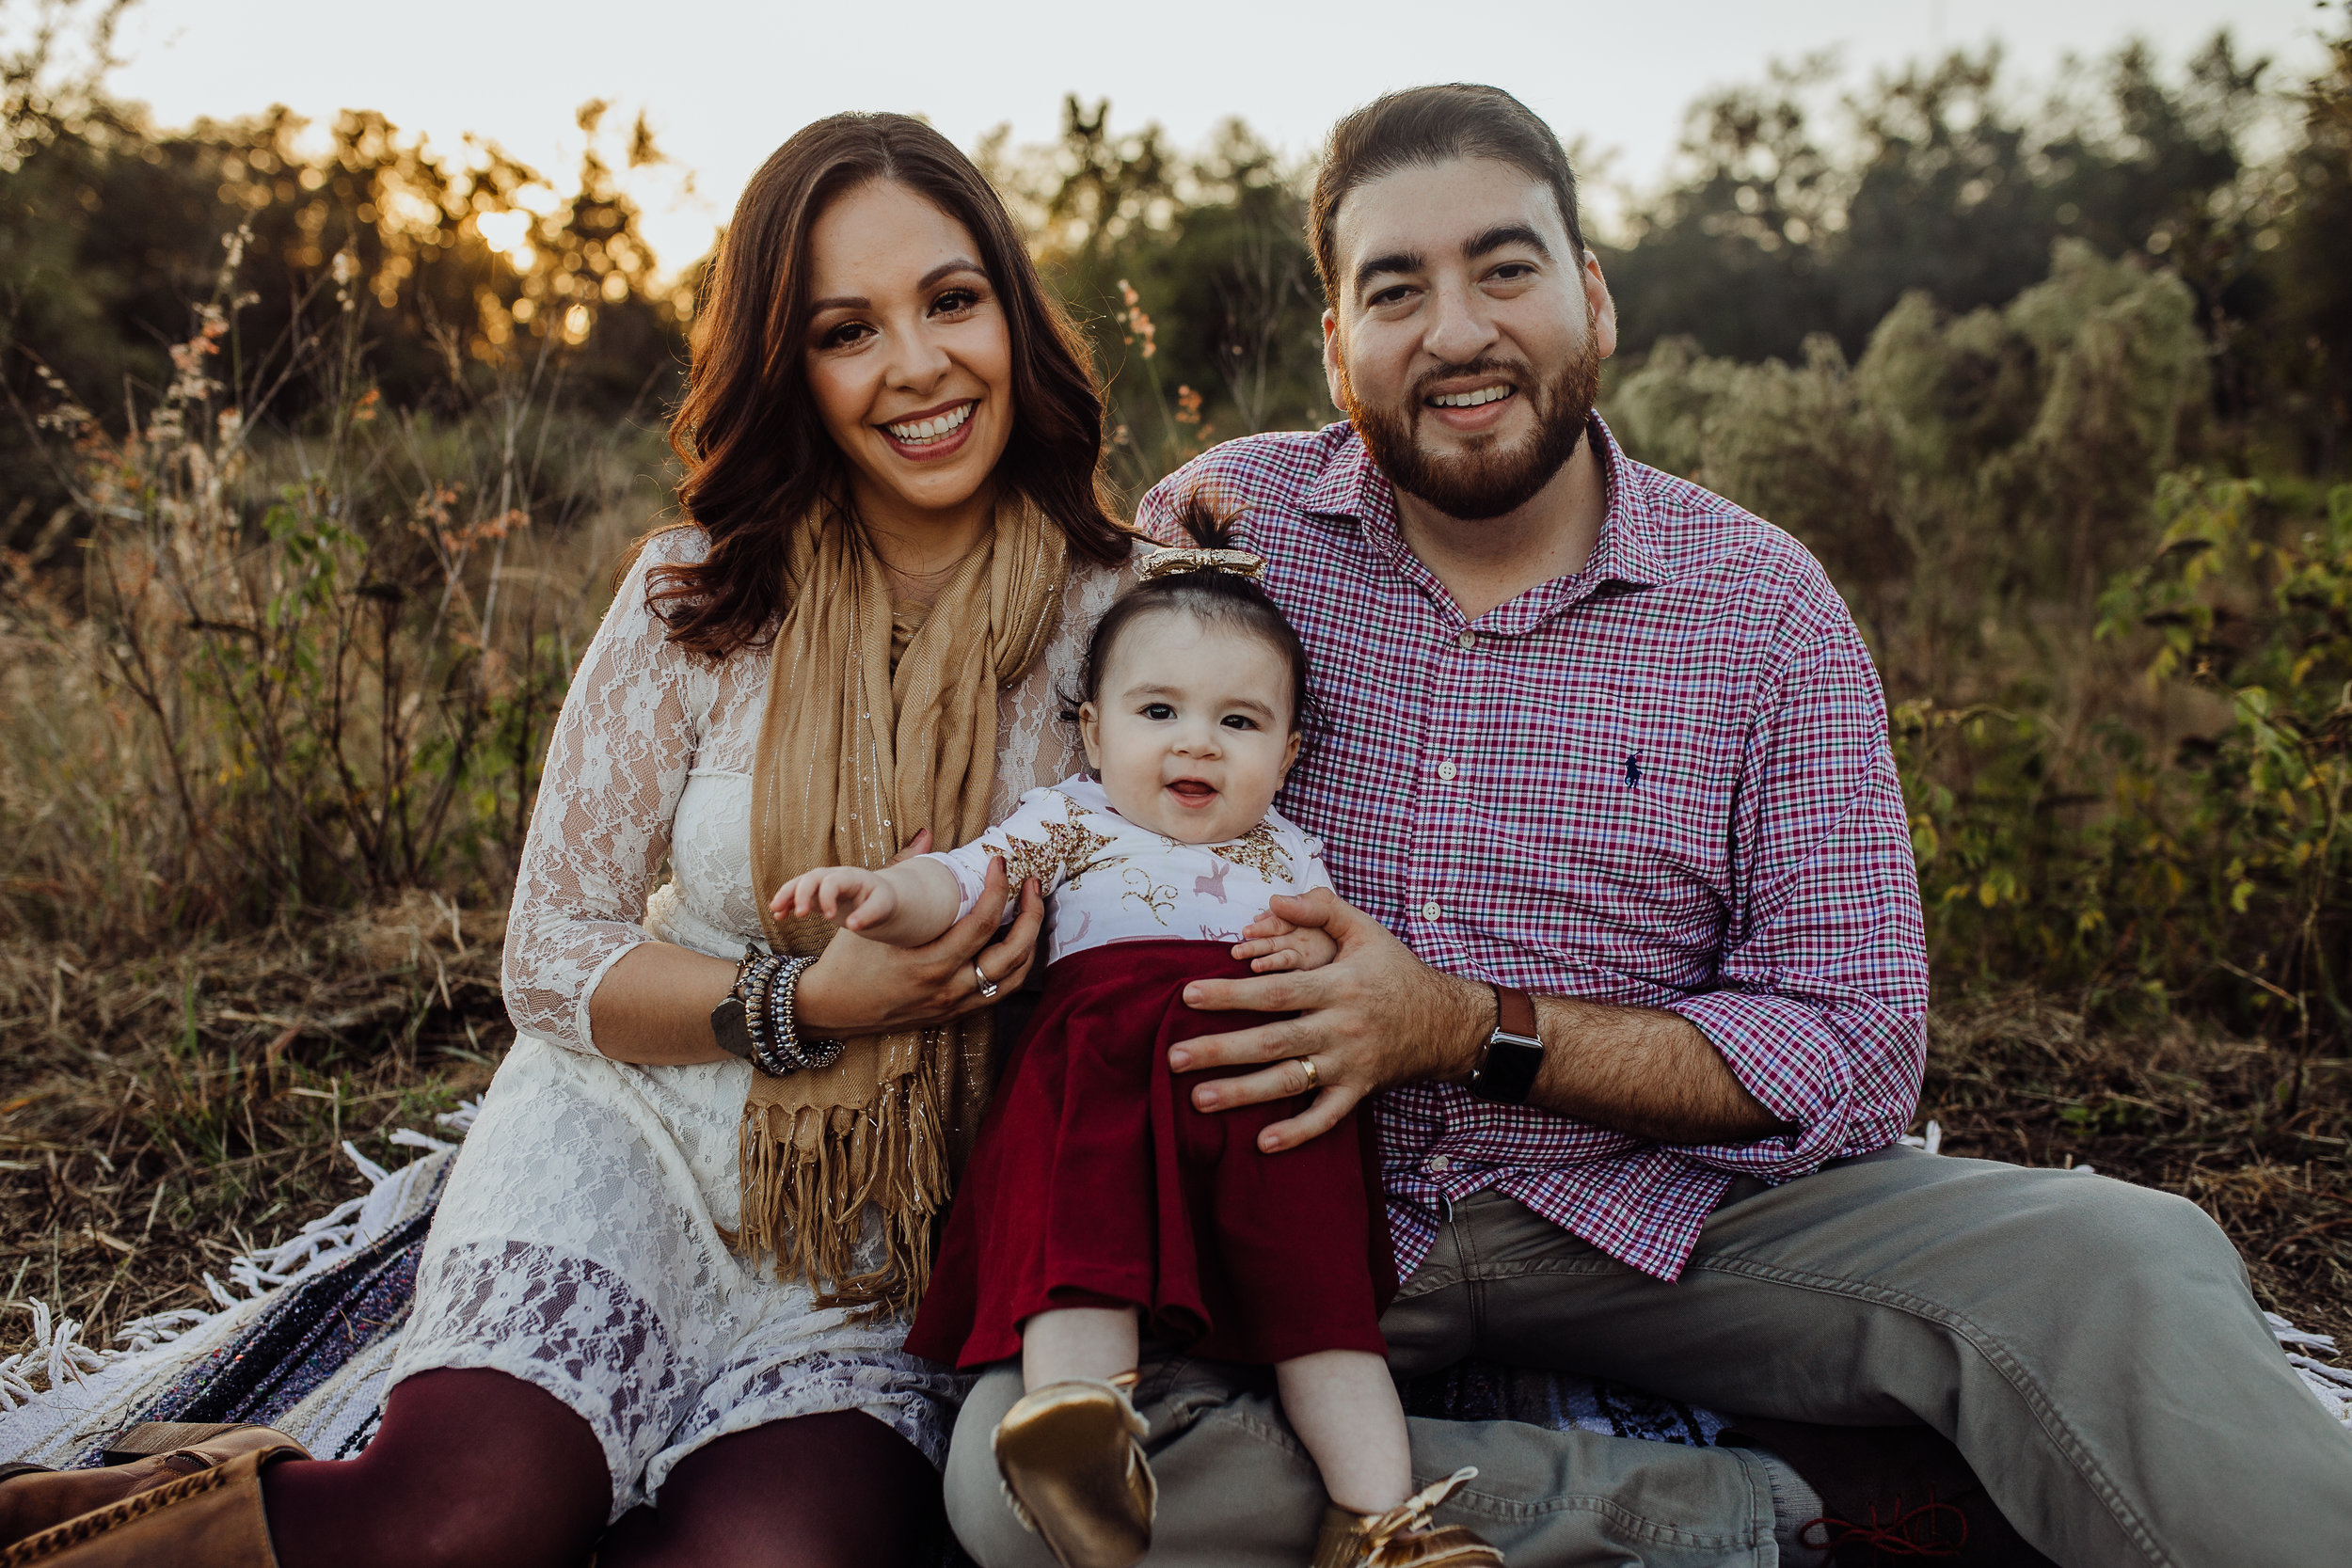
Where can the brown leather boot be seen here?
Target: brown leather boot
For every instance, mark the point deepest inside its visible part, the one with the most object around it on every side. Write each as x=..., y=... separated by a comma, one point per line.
x=33, y=1498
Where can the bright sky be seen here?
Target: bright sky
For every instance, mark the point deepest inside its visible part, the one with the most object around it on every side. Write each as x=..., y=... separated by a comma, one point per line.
x=725, y=81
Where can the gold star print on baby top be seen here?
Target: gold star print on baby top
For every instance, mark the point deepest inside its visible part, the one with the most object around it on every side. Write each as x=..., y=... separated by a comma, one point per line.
x=1139, y=885
x=1068, y=848
x=1258, y=851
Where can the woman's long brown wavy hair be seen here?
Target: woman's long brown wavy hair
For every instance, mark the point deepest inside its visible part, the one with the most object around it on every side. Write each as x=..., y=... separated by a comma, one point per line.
x=757, y=457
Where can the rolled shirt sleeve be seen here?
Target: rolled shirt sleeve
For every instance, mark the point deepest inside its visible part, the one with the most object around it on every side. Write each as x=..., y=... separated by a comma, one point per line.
x=1820, y=1005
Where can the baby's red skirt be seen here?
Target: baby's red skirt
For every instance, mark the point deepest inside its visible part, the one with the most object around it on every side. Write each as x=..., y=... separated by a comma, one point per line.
x=1095, y=1182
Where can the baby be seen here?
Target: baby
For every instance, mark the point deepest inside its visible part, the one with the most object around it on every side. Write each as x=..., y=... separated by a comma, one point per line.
x=1099, y=1202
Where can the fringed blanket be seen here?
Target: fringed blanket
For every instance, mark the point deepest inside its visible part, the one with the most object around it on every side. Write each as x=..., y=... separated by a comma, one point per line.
x=301, y=1343
x=306, y=1347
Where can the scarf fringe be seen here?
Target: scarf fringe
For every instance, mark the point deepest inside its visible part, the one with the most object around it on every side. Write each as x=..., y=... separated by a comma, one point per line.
x=807, y=1182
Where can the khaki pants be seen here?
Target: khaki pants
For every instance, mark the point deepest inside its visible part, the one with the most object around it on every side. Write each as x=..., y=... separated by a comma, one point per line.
x=2090, y=1346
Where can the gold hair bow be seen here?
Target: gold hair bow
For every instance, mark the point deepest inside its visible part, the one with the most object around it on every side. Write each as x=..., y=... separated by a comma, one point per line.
x=1168, y=564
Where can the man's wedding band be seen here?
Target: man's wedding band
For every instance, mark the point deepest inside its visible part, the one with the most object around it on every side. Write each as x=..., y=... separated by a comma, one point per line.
x=988, y=986
x=1314, y=1079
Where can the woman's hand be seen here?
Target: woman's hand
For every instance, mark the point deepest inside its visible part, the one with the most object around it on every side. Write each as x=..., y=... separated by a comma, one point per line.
x=859, y=986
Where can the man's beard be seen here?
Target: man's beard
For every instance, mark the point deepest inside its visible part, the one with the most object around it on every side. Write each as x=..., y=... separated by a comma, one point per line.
x=1489, y=480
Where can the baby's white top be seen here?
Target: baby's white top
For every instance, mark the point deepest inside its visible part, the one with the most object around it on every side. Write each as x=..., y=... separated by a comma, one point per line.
x=1110, y=880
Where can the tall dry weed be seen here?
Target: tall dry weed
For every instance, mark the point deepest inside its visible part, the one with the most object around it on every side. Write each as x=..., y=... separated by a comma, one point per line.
x=300, y=667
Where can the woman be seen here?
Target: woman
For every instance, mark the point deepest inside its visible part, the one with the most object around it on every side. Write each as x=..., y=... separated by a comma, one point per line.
x=664, y=1289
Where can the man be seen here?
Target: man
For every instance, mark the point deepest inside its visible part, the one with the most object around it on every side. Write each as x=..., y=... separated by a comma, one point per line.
x=1632, y=945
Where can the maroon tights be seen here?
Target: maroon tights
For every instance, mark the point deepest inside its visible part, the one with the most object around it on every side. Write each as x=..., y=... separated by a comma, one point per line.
x=477, y=1469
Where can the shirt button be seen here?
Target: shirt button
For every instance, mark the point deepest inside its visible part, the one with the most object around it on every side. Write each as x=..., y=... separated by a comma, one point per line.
x=1468, y=641
x=1431, y=911
x=1439, y=1166
x=1446, y=771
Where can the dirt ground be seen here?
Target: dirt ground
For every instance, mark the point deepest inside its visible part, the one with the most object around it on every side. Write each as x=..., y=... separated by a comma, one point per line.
x=161, y=1113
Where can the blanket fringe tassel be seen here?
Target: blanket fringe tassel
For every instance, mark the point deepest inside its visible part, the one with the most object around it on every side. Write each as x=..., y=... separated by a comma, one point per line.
x=59, y=1357
x=858, y=1165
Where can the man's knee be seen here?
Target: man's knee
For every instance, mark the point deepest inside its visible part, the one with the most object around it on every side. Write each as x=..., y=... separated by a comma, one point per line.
x=2114, y=1235
x=976, y=1508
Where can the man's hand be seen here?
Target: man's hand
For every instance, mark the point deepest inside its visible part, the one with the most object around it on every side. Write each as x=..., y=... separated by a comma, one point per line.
x=1374, y=1017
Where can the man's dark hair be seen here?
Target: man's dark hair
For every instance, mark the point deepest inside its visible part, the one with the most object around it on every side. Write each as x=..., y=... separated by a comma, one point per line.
x=1429, y=125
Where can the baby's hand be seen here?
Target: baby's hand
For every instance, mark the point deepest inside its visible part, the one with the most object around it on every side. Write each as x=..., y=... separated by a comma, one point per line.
x=1273, y=943
x=849, y=896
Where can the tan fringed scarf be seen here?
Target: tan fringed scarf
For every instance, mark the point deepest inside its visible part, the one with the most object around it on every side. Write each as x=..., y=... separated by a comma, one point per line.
x=853, y=759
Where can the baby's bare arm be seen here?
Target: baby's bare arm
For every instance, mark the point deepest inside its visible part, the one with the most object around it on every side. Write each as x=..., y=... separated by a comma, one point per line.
x=904, y=905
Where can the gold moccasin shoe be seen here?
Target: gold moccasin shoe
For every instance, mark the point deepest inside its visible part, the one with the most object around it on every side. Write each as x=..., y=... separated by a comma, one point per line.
x=1075, y=1472
x=1404, y=1537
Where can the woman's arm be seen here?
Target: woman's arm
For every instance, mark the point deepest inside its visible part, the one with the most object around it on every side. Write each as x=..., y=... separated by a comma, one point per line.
x=616, y=766
x=654, y=1007
x=579, y=967
x=655, y=1003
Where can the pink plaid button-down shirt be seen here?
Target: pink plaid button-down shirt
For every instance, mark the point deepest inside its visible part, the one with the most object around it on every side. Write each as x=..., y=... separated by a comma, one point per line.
x=1661, y=781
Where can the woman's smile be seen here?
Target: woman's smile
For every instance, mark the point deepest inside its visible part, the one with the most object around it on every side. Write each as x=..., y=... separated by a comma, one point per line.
x=935, y=433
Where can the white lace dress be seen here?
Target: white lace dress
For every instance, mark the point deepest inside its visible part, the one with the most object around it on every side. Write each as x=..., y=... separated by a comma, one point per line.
x=576, y=1247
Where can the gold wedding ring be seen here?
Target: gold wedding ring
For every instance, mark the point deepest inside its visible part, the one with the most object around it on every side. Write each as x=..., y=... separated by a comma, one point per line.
x=1314, y=1079
x=988, y=986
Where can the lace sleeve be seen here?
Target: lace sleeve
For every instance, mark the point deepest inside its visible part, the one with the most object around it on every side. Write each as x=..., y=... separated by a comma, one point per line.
x=600, y=831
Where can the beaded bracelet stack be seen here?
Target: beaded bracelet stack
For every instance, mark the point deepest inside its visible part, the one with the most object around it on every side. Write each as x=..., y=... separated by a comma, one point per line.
x=765, y=984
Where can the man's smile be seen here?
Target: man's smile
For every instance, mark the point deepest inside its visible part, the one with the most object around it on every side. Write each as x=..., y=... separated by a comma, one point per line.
x=1472, y=409
x=1495, y=393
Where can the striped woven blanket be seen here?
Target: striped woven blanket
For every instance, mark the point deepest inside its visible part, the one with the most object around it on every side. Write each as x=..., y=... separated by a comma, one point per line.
x=305, y=1333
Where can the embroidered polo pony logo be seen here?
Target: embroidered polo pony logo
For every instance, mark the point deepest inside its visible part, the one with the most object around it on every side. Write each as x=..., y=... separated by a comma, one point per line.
x=1634, y=769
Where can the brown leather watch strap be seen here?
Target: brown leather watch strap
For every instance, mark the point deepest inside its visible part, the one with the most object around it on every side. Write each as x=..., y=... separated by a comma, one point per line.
x=1515, y=1012
x=1514, y=1052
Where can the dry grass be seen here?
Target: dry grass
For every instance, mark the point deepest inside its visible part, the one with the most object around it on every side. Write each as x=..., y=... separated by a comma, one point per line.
x=158, y=1115
x=2179, y=1107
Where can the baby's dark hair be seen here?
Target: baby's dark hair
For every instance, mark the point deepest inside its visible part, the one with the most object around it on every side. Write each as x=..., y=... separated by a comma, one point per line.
x=1224, y=598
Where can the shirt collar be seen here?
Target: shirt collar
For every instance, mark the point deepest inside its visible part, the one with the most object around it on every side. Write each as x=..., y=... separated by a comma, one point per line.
x=1352, y=488
x=1632, y=546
